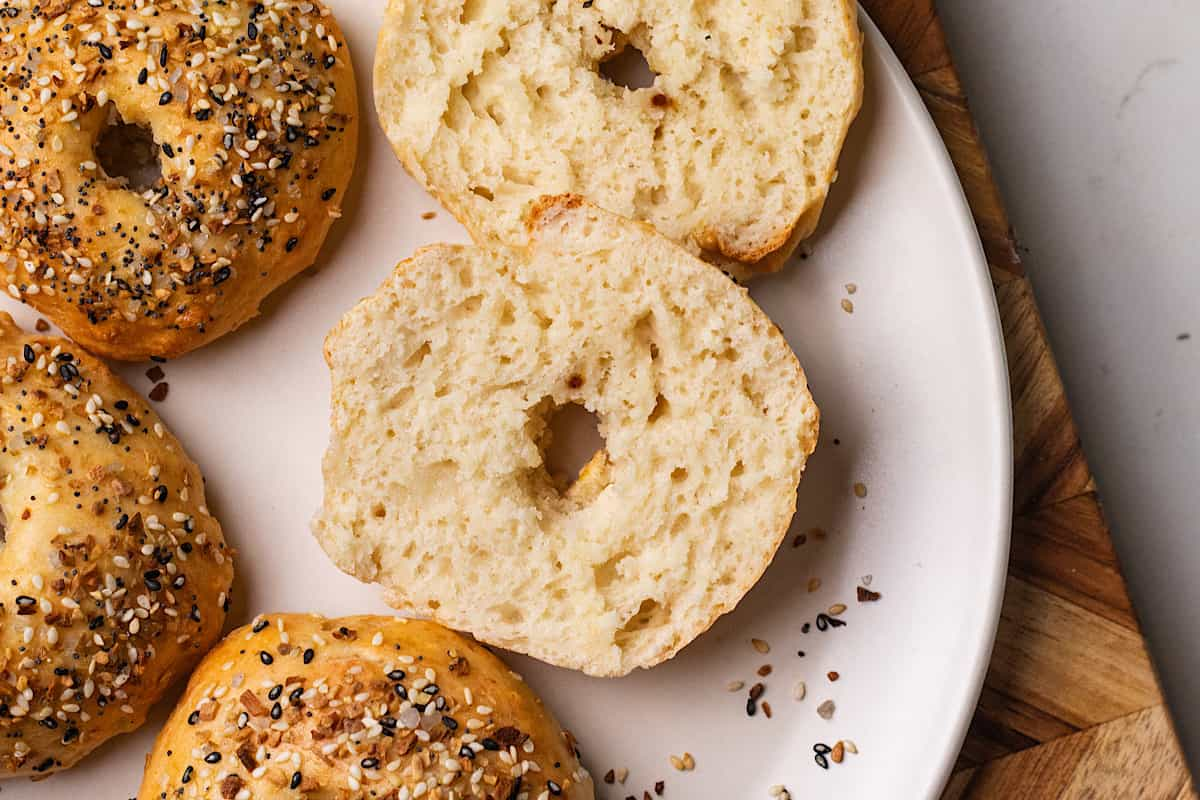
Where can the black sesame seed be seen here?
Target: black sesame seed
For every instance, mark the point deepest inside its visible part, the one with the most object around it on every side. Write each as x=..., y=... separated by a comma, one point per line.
x=162, y=56
x=212, y=758
x=252, y=31
x=164, y=98
x=328, y=193
x=751, y=707
x=821, y=747
x=266, y=657
x=450, y=722
x=276, y=711
x=369, y=763
x=142, y=76
x=25, y=600
x=308, y=655
x=242, y=720
x=187, y=775
x=821, y=760
x=70, y=735
x=193, y=718
x=556, y=790
x=48, y=722
x=466, y=752
x=28, y=353
x=296, y=695
x=221, y=275
x=291, y=244
x=296, y=779
x=160, y=493
x=105, y=51
x=396, y=675
x=490, y=744
x=258, y=626
x=401, y=692
x=275, y=692
x=328, y=61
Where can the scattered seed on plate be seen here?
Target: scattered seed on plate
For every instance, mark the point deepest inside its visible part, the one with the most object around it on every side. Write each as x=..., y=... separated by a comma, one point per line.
x=610, y=777
x=850, y=746
x=865, y=595
x=866, y=579
x=836, y=609
x=832, y=675
x=851, y=288
x=779, y=792
x=766, y=707
x=860, y=489
x=764, y=670
x=658, y=788
x=429, y=215
x=847, y=306
x=735, y=686
x=761, y=646
x=814, y=584
x=838, y=753
x=799, y=690
x=825, y=710
x=622, y=774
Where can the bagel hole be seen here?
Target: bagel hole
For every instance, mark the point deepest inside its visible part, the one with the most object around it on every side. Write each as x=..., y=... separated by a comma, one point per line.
x=628, y=68
x=128, y=153
x=571, y=441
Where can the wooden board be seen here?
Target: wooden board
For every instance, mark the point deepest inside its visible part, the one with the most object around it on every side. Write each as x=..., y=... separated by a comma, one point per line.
x=1071, y=707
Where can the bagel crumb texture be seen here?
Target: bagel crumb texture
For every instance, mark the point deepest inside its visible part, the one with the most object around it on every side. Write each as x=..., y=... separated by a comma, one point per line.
x=251, y=110
x=114, y=578
x=730, y=151
x=435, y=479
x=303, y=706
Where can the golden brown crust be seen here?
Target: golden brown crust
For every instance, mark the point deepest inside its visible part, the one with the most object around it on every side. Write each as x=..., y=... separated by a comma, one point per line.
x=114, y=578
x=299, y=705
x=253, y=109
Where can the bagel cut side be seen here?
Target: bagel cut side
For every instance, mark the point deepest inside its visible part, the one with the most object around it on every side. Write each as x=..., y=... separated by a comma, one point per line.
x=443, y=384
x=730, y=151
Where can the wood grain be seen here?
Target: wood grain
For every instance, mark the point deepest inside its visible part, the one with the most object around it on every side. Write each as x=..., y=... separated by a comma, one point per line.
x=1070, y=707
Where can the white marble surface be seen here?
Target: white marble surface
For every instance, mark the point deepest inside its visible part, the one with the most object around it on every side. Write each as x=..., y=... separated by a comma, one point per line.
x=1091, y=114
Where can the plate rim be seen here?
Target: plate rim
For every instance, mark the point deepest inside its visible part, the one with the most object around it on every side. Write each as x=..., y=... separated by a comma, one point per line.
x=982, y=640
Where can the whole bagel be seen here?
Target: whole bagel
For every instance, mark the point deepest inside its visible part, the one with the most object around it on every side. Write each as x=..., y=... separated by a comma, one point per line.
x=252, y=111
x=114, y=578
x=300, y=706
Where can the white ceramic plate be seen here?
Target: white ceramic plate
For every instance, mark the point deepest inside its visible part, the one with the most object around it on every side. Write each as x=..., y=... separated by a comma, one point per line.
x=914, y=401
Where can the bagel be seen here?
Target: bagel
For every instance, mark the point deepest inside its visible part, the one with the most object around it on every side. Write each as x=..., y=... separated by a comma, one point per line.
x=114, y=577
x=303, y=706
x=443, y=384
x=249, y=113
x=731, y=150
